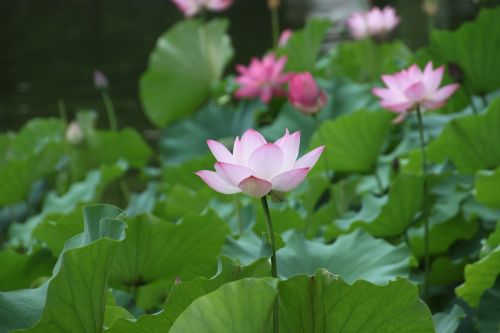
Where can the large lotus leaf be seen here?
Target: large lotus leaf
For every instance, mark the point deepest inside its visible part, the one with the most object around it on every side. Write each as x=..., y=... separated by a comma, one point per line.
x=33, y=137
x=56, y=207
x=184, y=293
x=491, y=242
x=470, y=141
x=487, y=312
x=108, y=147
x=353, y=142
x=442, y=234
x=187, y=139
x=353, y=257
x=475, y=48
x=448, y=322
x=73, y=299
x=242, y=306
x=156, y=249
x=487, y=187
x=19, y=271
x=366, y=60
x=479, y=276
x=325, y=303
x=184, y=66
x=17, y=175
x=385, y=216
x=302, y=49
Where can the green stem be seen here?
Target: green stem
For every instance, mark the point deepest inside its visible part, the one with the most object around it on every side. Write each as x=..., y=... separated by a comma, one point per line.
x=275, y=23
x=62, y=111
x=108, y=104
x=274, y=266
x=238, y=214
x=424, y=205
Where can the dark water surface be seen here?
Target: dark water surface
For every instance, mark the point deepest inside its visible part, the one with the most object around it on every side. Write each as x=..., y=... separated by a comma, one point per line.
x=50, y=48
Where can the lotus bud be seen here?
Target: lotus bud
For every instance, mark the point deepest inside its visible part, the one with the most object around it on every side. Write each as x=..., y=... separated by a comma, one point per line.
x=305, y=95
x=273, y=4
x=74, y=134
x=100, y=80
x=430, y=7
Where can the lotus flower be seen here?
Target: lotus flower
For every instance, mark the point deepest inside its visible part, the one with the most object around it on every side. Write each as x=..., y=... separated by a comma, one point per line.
x=413, y=87
x=192, y=7
x=373, y=23
x=284, y=37
x=256, y=166
x=305, y=95
x=263, y=78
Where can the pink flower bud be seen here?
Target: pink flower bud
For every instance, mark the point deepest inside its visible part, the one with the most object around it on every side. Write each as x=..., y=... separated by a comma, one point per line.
x=284, y=37
x=74, y=134
x=100, y=80
x=305, y=95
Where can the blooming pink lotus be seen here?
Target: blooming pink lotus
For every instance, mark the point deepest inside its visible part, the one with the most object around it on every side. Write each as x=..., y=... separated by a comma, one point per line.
x=304, y=93
x=256, y=166
x=193, y=7
x=413, y=87
x=375, y=22
x=263, y=78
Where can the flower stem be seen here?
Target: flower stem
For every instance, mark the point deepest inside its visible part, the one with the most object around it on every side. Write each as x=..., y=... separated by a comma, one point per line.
x=274, y=267
x=108, y=104
x=275, y=23
x=424, y=205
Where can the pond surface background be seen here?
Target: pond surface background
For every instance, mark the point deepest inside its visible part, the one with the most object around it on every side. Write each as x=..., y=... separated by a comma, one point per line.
x=50, y=48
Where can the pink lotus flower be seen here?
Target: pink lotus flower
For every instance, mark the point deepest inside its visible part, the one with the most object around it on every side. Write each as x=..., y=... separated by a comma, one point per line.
x=256, y=166
x=263, y=78
x=193, y=7
x=284, y=37
x=304, y=93
x=413, y=87
x=375, y=22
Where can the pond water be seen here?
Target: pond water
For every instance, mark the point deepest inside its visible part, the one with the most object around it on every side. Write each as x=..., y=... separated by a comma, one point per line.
x=50, y=48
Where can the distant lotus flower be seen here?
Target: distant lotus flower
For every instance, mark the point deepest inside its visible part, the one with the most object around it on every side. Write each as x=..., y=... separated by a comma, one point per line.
x=373, y=23
x=100, y=80
x=304, y=93
x=284, y=37
x=74, y=134
x=262, y=78
x=192, y=7
x=413, y=87
x=256, y=167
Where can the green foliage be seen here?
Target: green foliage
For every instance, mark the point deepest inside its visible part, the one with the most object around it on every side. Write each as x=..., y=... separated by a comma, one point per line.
x=470, y=141
x=473, y=47
x=73, y=299
x=157, y=249
x=448, y=322
x=353, y=257
x=186, y=63
x=365, y=60
x=353, y=141
x=302, y=49
x=325, y=303
x=487, y=185
x=389, y=215
x=240, y=306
